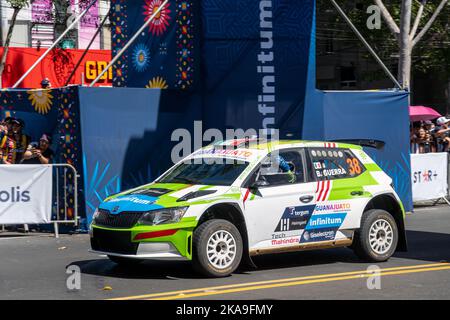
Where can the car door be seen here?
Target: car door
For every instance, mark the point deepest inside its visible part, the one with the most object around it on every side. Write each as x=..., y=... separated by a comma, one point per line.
x=278, y=212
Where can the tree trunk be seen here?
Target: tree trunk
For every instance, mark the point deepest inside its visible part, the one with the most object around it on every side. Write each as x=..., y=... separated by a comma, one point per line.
x=404, y=63
x=6, y=46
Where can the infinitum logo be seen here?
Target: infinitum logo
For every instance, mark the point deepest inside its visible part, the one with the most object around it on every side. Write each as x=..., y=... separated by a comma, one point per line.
x=266, y=68
x=14, y=195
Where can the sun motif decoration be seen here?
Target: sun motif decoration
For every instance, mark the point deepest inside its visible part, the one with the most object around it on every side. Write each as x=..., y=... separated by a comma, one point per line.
x=41, y=100
x=157, y=82
x=141, y=57
x=160, y=23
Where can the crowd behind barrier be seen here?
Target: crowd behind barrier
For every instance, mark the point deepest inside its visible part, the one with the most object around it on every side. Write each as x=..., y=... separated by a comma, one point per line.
x=16, y=150
x=429, y=136
x=16, y=146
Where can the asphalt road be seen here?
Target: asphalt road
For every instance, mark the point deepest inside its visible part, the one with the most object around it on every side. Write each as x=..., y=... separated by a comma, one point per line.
x=34, y=267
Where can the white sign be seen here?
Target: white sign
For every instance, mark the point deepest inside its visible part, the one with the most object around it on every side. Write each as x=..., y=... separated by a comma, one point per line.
x=429, y=176
x=25, y=194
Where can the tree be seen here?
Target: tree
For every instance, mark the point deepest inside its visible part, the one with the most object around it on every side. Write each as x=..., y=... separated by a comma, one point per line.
x=16, y=5
x=407, y=35
x=62, y=16
x=429, y=52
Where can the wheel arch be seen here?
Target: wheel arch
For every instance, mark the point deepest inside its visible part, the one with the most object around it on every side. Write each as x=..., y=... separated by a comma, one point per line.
x=389, y=203
x=233, y=213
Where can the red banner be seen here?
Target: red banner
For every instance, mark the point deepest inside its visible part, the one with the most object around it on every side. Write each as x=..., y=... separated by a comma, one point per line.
x=57, y=66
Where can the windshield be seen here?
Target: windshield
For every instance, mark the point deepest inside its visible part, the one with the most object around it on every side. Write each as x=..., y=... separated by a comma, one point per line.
x=207, y=171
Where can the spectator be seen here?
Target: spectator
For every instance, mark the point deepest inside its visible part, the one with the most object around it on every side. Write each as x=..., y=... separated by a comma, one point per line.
x=423, y=142
x=39, y=153
x=443, y=134
x=13, y=144
x=5, y=126
x=46, y=84
x=20, y=138
x=429, y=126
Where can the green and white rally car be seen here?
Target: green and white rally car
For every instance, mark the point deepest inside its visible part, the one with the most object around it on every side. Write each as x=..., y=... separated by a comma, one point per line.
x=233, y=200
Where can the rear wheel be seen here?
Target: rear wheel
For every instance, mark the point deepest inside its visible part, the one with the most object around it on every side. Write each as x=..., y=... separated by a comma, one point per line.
x=125, y=262
x=377, y=238
x=217, y=248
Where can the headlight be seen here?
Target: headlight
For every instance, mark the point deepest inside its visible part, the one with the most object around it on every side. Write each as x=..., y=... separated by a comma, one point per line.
x=163, y=216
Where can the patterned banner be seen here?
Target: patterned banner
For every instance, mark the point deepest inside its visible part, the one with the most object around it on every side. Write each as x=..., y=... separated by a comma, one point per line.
x=164, y=55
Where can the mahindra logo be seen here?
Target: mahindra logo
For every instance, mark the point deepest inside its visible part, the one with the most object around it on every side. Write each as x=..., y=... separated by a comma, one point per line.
x=14, y=195
x=115, y=209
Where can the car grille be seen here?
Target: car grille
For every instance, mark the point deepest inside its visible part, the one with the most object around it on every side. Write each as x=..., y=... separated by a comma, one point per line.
x=121, y=220
x=113, y=241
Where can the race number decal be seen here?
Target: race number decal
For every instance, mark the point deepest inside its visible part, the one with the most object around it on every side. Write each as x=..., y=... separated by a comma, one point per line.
x=354, y=167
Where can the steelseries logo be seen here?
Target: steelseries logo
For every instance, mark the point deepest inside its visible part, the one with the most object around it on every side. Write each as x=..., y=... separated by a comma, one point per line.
x=15, y=195
x=266, y=68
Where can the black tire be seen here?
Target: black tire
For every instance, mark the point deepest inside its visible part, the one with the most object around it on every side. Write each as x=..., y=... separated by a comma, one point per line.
x=361, y=242
x=125, y=262
x=202, y=235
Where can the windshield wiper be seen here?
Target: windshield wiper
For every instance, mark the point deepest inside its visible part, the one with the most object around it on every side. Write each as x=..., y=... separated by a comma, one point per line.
x=185, y=180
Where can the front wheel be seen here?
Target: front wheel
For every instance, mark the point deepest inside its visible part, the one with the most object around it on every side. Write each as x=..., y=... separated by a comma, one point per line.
x=377, y=238
x=217, y=248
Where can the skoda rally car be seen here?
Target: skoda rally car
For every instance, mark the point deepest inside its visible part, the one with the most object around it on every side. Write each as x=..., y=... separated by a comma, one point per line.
x=233, y=200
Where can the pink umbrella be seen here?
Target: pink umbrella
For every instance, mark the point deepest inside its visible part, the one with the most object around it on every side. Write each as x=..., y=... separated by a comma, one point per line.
x=422, y=113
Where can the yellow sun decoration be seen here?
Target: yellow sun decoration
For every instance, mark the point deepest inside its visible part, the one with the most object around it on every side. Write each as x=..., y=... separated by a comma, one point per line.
x=41, y=100
x=157, y=82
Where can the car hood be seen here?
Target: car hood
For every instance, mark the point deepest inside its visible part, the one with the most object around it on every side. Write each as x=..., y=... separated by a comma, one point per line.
x=164, y=195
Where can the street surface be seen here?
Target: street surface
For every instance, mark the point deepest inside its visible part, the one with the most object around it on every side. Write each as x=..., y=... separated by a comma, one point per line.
x=34, y=267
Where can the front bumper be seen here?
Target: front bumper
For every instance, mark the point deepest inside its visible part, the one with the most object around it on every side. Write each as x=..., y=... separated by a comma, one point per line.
x=152, y=251
x=168, y=242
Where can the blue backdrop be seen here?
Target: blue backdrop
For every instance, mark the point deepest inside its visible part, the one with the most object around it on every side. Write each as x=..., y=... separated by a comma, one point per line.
x=381, y=115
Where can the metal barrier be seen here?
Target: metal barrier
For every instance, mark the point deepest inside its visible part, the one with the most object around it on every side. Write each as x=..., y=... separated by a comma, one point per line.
x=64, y=196
x=67, y=189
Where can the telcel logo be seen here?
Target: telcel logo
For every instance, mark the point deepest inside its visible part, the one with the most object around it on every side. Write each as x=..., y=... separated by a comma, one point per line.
x=15, y=195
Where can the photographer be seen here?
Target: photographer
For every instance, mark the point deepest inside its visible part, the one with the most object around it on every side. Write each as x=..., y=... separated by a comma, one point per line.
x=423, y=142
x=39, y=153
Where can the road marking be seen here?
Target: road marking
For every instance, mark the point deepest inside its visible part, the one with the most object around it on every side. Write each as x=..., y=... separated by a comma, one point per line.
x=287, y=282
x=296, y=283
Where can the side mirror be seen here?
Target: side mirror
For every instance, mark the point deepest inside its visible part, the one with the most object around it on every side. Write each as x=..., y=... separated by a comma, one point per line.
x=258, y=184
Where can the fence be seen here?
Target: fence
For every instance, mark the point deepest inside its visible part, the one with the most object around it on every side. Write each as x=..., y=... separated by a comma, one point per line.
x=26, y=197
x=69, y=188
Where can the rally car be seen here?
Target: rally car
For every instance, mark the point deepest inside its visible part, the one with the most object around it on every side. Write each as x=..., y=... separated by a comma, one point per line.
x=233, y=200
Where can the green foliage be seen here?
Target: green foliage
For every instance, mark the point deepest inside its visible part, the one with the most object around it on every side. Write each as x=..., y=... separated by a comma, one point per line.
x=432, y=53
x=18, y=4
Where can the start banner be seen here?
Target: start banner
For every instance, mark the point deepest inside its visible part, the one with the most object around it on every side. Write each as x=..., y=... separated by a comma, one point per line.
x=429, y=176
x=25, y=194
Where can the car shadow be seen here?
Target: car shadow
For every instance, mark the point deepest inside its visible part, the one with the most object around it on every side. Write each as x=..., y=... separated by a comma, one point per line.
x=422, y=246
x=426, y=246
x=145, y=270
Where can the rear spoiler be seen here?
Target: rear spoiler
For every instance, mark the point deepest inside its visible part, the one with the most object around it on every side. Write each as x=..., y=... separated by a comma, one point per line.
x=371, y=143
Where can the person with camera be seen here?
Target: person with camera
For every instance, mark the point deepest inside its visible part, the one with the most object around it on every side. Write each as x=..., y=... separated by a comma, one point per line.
x=39, y=153
x=423, y=142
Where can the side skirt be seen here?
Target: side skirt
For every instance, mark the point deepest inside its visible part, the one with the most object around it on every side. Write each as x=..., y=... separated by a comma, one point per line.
x=303, y=247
